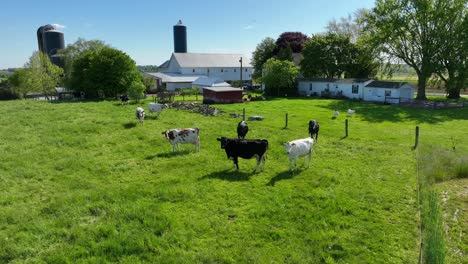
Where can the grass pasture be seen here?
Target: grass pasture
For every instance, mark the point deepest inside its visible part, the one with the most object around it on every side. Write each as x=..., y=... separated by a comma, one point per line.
x=84, y=182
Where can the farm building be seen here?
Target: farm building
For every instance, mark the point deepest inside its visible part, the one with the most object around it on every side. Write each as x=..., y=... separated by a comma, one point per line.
x=364, y=89
x=222, y=95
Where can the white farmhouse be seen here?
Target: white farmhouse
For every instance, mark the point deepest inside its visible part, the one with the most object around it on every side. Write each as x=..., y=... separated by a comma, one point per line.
x=184, y=68
x=364, y=89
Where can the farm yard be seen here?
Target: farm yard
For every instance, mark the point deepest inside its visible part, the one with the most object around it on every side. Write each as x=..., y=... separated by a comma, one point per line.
x=85, y=182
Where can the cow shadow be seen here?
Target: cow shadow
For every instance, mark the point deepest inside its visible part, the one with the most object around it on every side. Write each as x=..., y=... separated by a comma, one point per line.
x=151, y=117
x=228, y=175
x=285, y=175
x=169, y=154
x=129, y=125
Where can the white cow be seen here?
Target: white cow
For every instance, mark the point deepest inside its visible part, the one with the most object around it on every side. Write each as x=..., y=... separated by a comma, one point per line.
x=155, y=107
x=299, y=148
x=183, y=136
x=140, y=114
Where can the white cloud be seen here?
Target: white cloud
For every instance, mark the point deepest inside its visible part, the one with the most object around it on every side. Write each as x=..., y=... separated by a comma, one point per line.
x=59, y=26
x=249, y=27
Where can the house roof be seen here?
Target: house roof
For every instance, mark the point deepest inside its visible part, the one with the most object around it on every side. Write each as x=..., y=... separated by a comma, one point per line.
x=164, y=65
x=223, y=89
x=169, y=77
x=386, y=84
x=334, y=80
x=195, y=60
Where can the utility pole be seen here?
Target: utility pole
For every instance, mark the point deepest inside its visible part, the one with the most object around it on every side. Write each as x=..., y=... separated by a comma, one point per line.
x=240, y=71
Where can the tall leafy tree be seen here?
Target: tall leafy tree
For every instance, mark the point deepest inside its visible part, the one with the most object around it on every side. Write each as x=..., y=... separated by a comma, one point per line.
x=351, y=25
x=285, y=53
x=262, y=53
x=453, y=58
x=280, y=77
x=73, y=51
x=407, y=30
x=295, y=40
x=104, y=71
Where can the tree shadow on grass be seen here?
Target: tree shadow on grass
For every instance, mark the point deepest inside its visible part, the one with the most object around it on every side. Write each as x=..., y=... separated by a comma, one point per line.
x=285, y=175
x=168, y=154
x=129, y=125
x=228, y=175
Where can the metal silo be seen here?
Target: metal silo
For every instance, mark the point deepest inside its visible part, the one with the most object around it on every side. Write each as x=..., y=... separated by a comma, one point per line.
x=50, y=41
x=180, y=38
x=40, y=35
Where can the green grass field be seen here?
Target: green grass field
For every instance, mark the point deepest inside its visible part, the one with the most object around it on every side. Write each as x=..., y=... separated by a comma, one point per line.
x=83, y=182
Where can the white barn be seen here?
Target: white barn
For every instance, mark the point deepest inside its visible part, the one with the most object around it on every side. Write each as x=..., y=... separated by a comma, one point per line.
x=184, y=68
x=364, y=89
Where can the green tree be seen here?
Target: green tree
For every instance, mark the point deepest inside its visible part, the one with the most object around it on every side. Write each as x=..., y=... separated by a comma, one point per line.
x=453, y=58
x=279, y=77
x=136, y=90
x=262, y=53
x=75, y=50
x=329, y=56
x=149, y=83
x=407, y=30
x=285, y=53
x=38, y=75
x=105, y=71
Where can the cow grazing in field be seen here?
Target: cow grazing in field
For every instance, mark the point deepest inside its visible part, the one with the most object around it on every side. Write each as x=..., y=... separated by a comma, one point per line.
x=351, y=112
x=124, y=99
x=314, y=129
x=246, y=149
x=140, y=114
x=242, y=129
x=183, y=136
x=335, y=113
x=299, y=148
x=156, y=108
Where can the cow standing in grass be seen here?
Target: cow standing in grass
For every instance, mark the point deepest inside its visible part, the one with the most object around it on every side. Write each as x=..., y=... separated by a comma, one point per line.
x=156, y=108
x=246, y=149
x=314, y=129
x=183, y=136
x=242, y=129
x=299, y=148
x=140, y=114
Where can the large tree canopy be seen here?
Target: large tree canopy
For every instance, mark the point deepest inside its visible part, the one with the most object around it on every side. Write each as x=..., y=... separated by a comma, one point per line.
x=262, y=53
x=105, y=71
x=279, y=77
x=295, y=40
x=408, y=31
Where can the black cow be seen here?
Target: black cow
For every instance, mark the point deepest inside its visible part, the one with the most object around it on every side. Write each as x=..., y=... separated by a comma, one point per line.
x=242, y=129
x=314, y=129
x=124, y=98
x=246, y=149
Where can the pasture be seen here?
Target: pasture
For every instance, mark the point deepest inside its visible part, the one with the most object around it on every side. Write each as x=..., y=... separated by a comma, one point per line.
x=85, y=182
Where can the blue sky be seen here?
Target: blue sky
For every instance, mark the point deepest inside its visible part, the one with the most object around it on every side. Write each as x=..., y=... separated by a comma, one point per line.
x=143, y=29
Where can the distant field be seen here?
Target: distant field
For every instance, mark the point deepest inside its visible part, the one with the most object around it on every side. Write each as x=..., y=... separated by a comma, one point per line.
x=83, y=182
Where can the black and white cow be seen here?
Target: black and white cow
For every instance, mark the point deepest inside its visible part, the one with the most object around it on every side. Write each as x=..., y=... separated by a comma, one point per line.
x=242, y=129
x=183, y=136
x=246, y=149
x=124, y=98
x=314, y=129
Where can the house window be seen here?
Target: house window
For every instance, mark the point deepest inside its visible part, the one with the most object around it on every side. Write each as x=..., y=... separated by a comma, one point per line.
x=207, y=70
x=235, y=70
x=222, y=70
x=355, y=89
x=245, y=70
x=193, y=70
x=388, y=93
x=310, y=86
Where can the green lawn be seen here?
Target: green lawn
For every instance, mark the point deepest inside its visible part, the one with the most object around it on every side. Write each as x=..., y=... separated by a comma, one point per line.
x=83, y=182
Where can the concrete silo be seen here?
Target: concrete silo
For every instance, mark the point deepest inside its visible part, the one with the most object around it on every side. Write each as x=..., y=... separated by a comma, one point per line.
x=180, y=38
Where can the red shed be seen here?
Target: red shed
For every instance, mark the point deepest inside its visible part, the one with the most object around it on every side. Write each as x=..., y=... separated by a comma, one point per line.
x=222, y=95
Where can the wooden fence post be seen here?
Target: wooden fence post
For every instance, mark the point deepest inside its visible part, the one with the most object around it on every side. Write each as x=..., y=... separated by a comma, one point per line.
x=416, y=141
x=346, y=127
x=243, y=114
x=286, y=121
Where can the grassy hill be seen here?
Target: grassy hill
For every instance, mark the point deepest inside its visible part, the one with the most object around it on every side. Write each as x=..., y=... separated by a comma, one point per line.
x=83, y=182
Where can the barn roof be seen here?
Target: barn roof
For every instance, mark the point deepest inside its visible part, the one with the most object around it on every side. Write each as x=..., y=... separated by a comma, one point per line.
x=195, y=60
x=386, y=84
x=210, y=81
